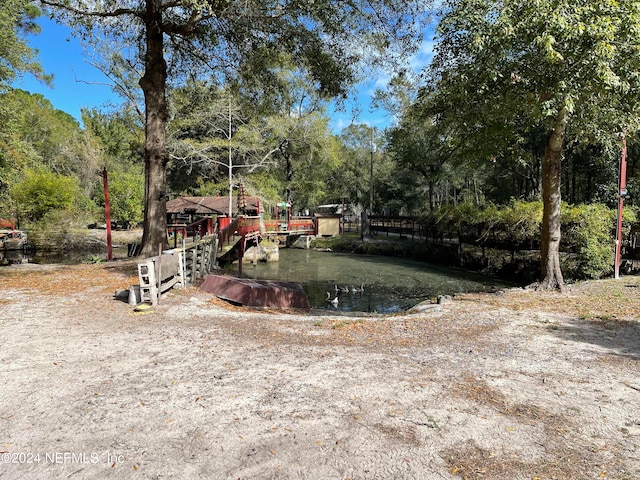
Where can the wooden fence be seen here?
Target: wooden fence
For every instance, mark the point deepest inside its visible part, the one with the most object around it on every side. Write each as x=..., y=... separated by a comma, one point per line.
x=176, y=267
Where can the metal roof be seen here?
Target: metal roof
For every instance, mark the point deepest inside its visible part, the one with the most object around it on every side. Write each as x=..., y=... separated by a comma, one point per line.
x=207, y=205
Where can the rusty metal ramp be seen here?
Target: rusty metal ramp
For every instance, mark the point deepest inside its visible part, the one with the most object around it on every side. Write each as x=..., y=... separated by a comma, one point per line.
x=257, y=293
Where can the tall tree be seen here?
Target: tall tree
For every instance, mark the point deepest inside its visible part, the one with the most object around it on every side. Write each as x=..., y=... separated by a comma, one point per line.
x=17, y=20
x=180, y=38
x=564, y=65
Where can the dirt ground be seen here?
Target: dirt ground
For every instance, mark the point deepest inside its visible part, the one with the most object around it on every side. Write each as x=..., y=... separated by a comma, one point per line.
x=513, y=385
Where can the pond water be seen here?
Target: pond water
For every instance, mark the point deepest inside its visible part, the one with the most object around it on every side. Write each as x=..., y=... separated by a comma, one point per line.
x=390, y=284
x=44, y=257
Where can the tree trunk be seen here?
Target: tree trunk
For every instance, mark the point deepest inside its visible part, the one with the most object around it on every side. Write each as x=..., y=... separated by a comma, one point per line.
x=431, y=196
x=365, y=226
x=551, y=183
x=153, y=84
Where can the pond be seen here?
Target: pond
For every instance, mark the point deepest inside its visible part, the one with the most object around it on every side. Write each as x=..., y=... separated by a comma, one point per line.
x=12, y=257
x=389, y=284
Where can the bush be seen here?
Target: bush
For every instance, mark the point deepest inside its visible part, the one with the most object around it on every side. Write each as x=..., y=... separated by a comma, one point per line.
x=41, y=192
x=126, y=197
x=589, y=231
x=588, y=235
x=522, y=222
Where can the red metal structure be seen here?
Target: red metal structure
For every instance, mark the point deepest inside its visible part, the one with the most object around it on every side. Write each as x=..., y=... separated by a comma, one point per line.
x=7, y=224
x=621, y=194
x=107, y=213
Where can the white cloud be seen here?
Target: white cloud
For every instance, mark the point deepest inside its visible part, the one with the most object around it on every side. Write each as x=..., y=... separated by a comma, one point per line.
x=339, y=123
x=423, y=56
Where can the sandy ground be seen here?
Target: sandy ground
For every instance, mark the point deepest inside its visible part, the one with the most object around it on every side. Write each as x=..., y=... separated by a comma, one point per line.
x=514, y=385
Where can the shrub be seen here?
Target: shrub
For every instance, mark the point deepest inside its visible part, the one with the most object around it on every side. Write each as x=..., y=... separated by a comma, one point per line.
x=589, y=232
x=43, y=191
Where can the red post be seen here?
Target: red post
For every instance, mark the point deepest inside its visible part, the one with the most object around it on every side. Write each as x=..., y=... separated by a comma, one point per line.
x=621, y=194
x=107, y=213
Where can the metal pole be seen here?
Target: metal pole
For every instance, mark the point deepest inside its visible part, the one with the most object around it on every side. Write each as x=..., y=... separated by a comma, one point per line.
x=621, y=194
x=230, y=160
x=371, y=178
x=107, y=213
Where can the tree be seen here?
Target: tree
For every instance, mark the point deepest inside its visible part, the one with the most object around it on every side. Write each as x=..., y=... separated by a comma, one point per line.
x=16, y=57
x=213, y=135
x=422, y=148
x=121, y=135
x=182, y=38
x=361, y=144
x=126, y=196
x=565, y=66
x=45, y=139
x=42, y=191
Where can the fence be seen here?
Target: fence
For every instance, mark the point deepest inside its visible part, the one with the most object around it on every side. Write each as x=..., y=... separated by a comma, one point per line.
x=176, y=267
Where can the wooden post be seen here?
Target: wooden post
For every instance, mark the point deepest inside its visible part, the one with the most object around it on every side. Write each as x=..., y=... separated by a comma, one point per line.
x=194, y=260
x=241, y=247
x=159, y=272
x=184, y=261
x=203, y=256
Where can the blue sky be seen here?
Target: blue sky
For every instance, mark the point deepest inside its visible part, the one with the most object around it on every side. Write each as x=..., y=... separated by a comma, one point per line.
x=78, y=85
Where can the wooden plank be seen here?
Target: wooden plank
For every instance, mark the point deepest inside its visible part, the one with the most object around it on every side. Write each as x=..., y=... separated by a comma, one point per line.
x=149, y=272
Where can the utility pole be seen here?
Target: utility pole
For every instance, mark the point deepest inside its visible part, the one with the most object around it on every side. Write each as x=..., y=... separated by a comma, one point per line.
x=371, y=176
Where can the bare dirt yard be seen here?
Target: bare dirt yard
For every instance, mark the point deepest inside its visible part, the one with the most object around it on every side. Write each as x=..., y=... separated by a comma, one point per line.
x=514, y=385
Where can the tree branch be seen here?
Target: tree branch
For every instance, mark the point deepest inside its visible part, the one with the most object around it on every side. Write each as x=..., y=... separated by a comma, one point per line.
x=118, y=12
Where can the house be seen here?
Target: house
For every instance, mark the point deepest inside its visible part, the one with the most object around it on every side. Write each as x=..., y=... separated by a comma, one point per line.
x=186, y=210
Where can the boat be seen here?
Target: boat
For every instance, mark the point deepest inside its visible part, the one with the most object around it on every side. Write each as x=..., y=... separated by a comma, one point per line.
x=13, y=240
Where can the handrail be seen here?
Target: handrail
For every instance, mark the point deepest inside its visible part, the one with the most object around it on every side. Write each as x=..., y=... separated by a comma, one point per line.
x=199, y=228
x=227, y=232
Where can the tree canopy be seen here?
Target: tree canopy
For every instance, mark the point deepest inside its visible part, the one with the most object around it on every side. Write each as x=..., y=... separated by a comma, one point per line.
x=170, y=41
x=17, y=20
x=504, y=68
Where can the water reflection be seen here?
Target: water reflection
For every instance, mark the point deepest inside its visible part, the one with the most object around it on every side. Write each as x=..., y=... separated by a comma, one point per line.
x=390, y=284
x=64, y=258
x=13, y=257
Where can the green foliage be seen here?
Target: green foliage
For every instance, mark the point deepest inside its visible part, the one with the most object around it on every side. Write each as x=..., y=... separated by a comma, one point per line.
x=16, y=57
x=121, y=135
x=126, y=196
x=589, y=230
x=41, y=192
x=590, y=233
x=521, y=221
x=37, y=137
x=350, y=176
x=48, y=131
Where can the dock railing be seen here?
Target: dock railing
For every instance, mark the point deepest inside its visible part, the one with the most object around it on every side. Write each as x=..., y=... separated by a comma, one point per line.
x=194, y=254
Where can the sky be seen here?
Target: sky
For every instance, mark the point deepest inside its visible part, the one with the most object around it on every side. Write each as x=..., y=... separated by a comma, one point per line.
x=78, y=85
